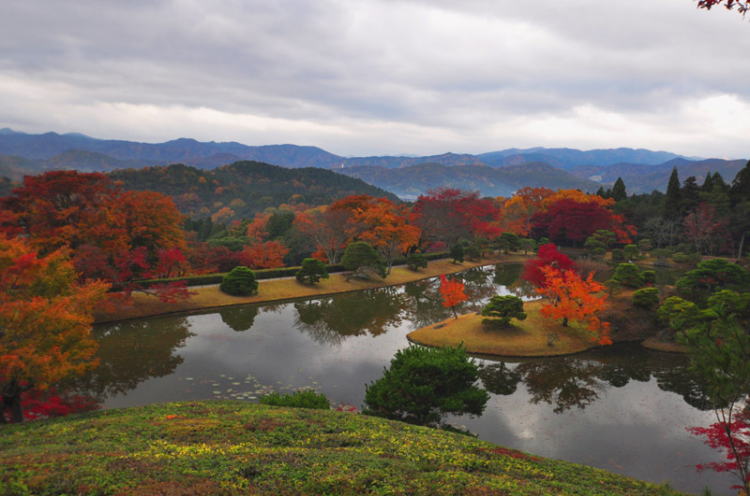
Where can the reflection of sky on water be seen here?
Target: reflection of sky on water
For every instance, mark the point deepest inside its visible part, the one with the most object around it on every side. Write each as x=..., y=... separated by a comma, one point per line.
x=637, y=429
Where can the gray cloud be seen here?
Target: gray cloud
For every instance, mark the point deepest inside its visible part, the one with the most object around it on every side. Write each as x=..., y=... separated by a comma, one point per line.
x=382, y=76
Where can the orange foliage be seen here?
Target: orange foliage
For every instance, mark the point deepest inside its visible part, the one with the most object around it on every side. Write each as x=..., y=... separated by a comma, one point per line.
x=452, y=292
x=517, y=211
x=256, y=230
x=45, y=318
x=222, y=215
x=576, y=299
x=267, y=255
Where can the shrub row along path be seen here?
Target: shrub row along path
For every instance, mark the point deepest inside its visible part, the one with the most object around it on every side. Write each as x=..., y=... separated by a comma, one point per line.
x=281, y=289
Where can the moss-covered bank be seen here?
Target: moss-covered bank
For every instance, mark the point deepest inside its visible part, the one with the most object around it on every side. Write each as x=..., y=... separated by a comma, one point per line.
x=211, y=447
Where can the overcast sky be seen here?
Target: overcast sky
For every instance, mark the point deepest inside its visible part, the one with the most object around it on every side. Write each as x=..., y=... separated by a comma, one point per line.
x=375, y=77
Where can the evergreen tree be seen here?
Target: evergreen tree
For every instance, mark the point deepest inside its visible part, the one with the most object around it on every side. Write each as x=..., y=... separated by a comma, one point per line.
x=618, y=190
x=708, y=182
x=740, y=190
x=673, y=200
x=690, y=195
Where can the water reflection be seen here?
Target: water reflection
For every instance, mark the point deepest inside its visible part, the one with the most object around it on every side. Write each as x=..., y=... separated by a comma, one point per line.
x=240, y=318
x=333, y=319
x=577, y=381
x=133, y=351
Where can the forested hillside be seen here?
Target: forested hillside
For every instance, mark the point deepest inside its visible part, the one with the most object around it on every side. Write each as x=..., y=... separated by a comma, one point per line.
x=241, y=189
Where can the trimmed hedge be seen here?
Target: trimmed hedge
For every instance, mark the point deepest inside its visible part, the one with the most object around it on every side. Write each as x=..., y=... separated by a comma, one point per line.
x=201, y=279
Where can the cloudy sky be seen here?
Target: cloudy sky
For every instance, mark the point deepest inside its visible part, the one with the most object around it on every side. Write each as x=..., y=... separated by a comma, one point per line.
x=367, y=77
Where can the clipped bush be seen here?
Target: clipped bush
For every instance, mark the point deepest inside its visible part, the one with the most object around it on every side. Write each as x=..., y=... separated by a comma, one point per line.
x=457, y=253
x=646, y=298
x=312, y=271
x=645, y=244
x=628, y=274
x=649, y=276
x=416, y=261
x=501, y=309
x=630, y=252
x=618, y=255
x=239, y=282
x=299, y=399
x=423, y=384
x=473, y=252
x=360, y=254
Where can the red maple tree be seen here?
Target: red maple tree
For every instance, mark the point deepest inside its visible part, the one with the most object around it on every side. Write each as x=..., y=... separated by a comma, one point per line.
x=452, y=292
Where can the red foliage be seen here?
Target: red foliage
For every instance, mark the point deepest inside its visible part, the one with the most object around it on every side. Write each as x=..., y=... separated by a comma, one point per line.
x=52, y=403
x=266, y=255
x=448, y=215
x=452, y=292
x=732, y=436
x=570, y=220
x=548, y=255
x=742, y=6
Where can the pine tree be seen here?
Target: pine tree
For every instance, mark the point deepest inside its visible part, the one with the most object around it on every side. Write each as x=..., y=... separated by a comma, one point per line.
x=708, y=182
x=618, y=190
x=689, y=195
x=672, y=203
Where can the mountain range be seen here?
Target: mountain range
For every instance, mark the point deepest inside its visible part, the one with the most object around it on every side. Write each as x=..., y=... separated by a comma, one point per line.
x=494, y=173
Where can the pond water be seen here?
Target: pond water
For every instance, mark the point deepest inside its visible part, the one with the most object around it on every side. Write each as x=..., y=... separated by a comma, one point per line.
x=621, y=408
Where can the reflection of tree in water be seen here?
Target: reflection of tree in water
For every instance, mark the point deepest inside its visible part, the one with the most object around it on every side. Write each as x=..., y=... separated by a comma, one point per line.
x=562, y=383
x=331, y=320
x=131, y=352
x=509, y=275
x=239, y=318
x=423, y=303
x=498, y=378
x=565, y=382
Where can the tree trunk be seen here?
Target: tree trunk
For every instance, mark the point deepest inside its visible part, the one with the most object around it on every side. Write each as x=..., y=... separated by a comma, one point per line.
x=12, y=401
x=742, y=245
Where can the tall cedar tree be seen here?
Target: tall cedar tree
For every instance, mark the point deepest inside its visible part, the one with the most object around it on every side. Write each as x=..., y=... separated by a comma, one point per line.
x=45, y=319
x=618, y=190
x=673, y=201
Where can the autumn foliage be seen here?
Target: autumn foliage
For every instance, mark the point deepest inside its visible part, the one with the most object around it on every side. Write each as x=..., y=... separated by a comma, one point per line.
x=452, y=293
x=547, y=256
x=572, y=298
x=45, y=319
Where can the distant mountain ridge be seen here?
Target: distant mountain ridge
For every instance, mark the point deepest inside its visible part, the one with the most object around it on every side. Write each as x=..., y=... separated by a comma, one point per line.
x=642, y=170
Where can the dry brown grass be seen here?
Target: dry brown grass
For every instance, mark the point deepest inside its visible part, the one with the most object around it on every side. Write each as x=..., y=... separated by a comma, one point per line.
x=271, y=290
x=525, y=338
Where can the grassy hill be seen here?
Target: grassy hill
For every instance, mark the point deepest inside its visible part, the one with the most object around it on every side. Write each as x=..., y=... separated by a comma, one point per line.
x=208, y=448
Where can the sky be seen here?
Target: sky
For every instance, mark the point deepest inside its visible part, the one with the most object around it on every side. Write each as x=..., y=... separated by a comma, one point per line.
x=382, y=77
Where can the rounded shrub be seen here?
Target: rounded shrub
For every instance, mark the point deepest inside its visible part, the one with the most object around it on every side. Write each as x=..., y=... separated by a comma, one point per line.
x=646, y=298
x=628, y=274
x=239, y=282
x=361, y=254
x=311, y=271
x=457, y=253
x=416, y=261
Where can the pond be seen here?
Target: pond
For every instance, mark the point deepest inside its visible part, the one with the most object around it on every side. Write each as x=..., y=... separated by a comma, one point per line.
x=621, y=408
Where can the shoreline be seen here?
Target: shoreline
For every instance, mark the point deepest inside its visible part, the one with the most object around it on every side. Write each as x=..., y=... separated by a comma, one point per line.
x=286, y=289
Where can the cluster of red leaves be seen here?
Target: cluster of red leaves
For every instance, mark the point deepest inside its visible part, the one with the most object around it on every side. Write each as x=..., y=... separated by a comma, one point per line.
x=52, y=403
x=547, y=256
x=733, y=438
x=742, y=6
x=449, y=214
x=452, y=292
x=573, y=298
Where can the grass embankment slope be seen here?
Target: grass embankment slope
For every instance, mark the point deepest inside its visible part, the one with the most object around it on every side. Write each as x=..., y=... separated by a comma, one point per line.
x=228, y=448
x=524, y=338
x=270, y=290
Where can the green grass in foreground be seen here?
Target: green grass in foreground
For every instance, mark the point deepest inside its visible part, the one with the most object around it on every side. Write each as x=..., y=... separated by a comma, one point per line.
x=203, y=448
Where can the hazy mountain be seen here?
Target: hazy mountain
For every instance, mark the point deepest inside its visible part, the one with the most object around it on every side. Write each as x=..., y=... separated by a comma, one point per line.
x=450, y=159
x=569, y=158
x=640, y=178
x=410, y=182
x=245, y=187
x=183, y=150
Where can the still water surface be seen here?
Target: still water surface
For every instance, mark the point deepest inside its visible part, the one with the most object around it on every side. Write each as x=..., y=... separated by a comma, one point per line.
x=621, y=408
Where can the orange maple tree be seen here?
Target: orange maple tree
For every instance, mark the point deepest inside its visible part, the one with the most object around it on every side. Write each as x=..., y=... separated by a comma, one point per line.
x=573, y=298
x=45, y=321
x=452, y=292
x=266, y=255
x=387, y=228
x=516, y=212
